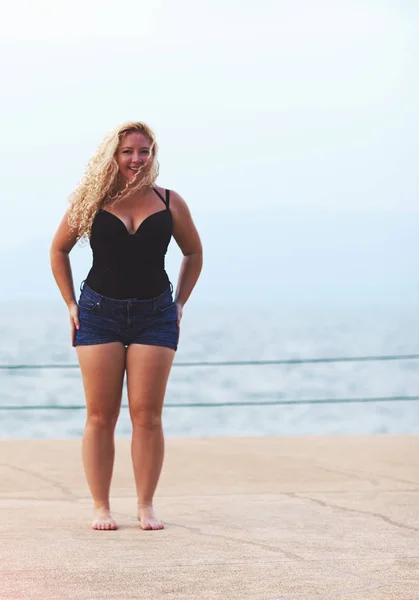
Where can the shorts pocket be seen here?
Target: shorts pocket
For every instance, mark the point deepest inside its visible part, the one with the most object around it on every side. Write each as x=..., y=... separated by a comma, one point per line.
x=88, y=304
x=163, y=309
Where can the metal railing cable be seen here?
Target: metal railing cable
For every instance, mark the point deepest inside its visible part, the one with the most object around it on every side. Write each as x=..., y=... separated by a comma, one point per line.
x=232, y=363
x=279, y=402
x=230, y=404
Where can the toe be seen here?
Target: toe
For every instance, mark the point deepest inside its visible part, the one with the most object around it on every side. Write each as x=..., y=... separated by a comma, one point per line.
x=104, y=525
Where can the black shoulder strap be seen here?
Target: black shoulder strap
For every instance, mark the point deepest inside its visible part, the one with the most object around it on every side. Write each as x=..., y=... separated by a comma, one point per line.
x=167, y=198
x=160, y=196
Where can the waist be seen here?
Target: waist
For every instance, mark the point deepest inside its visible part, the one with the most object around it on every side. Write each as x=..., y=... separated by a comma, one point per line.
x=146, y=305
x=120, y=284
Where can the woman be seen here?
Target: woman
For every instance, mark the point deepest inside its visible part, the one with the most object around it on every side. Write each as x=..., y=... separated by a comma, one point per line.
x=126, y=319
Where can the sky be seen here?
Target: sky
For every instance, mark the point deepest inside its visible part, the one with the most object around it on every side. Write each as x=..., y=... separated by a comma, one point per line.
x=290, y=128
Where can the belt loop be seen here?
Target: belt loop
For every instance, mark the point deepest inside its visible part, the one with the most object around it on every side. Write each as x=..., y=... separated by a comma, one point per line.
x=82, y=285
x=171, y=287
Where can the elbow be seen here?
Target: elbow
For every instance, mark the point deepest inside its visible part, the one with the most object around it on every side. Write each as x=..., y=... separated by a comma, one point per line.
x=195, y=250
x=57, y=255
x=54, y=252
x=197, y=258
x=195, y=255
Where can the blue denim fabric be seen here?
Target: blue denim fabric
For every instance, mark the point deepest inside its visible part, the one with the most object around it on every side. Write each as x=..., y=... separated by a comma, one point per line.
x=102, y=320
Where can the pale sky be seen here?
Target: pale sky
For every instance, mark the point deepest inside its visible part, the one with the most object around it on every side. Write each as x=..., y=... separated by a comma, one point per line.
x=279, y=106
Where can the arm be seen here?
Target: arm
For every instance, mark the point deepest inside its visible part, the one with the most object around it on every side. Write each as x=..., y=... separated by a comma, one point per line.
x=63, y=242
x=188, y=240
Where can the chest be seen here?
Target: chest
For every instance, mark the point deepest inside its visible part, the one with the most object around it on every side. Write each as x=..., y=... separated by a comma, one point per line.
x=111, y=233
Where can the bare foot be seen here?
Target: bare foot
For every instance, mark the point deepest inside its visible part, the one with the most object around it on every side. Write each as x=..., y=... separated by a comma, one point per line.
x=148, y=519
x=102, y=519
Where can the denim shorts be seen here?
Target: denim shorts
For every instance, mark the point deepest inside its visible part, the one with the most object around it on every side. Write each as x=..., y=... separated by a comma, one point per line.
x=103, y=320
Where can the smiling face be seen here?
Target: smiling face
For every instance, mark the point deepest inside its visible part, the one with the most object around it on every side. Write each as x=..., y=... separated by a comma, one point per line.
x=134, y=154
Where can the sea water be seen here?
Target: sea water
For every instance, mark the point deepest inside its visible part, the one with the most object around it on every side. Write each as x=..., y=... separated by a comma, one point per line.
x=38, y=333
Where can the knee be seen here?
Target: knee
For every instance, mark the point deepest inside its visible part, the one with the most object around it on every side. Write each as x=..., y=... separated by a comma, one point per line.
x=102, y=420
x=146, y=419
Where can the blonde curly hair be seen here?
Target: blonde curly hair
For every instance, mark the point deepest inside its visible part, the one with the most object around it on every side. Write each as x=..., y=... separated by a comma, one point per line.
x=102, y=184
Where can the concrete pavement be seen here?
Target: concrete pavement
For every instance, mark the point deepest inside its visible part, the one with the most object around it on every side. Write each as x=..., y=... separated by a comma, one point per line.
x=246, y=518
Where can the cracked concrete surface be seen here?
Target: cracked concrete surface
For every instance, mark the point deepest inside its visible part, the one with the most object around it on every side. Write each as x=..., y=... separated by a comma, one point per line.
x=246, y=518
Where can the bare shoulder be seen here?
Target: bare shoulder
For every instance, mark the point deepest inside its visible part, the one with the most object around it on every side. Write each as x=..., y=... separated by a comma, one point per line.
x=184, y=230
x=177, y=202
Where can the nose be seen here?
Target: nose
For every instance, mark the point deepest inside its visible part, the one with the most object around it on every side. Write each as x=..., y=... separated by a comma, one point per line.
x=137, y=158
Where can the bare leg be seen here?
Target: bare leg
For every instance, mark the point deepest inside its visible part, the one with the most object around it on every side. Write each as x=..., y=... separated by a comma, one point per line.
x=148, y=369
x=102, y=367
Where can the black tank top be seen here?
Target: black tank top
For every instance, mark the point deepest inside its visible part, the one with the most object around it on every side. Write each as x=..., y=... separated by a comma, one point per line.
x=129, y=265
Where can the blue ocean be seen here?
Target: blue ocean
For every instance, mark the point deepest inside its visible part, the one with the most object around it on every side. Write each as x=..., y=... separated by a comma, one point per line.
x=35, y=333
